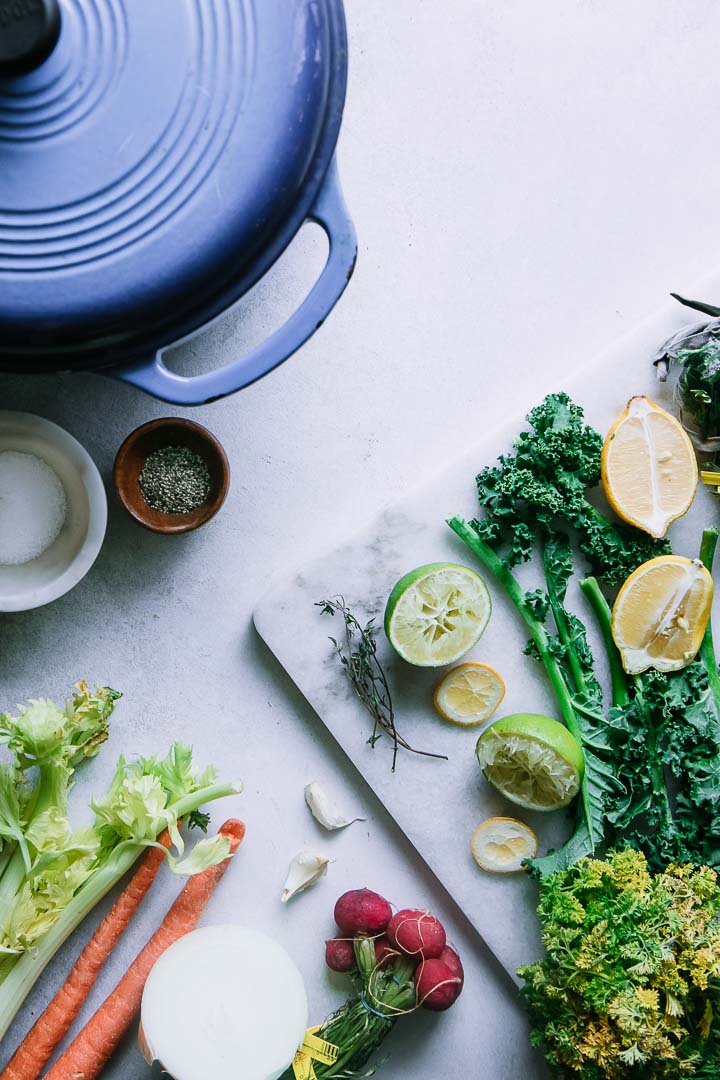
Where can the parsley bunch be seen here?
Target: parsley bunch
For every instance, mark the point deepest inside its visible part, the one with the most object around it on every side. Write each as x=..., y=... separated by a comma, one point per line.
x=629, y=987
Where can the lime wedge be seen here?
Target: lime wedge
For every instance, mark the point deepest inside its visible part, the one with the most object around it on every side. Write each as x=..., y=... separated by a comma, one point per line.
x=436, y=613
x=532, y=760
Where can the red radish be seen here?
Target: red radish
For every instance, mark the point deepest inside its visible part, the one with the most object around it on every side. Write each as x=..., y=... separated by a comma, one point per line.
x=384, y=951
x=362, y=911
x=340, y=954
x=417, y=933
x=436, y=986
x=451, y=959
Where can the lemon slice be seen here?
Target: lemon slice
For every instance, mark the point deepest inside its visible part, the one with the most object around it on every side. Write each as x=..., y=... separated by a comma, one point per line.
x=649, y=470
x=469, y=694
x=500, y=845
x=436, y=613
x=661, y=613
x=532, y=760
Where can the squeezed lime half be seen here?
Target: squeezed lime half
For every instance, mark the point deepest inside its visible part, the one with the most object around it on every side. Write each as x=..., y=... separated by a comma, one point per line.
x=532, y=760
x=436, y=613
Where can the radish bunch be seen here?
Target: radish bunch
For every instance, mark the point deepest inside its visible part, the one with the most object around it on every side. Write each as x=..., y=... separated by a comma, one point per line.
x=410, y=940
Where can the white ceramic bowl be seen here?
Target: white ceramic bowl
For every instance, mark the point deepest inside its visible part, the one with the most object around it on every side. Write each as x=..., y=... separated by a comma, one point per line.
x=75, y=549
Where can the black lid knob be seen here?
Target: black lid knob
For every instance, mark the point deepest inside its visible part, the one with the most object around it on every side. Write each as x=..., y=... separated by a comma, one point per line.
x=29, y=30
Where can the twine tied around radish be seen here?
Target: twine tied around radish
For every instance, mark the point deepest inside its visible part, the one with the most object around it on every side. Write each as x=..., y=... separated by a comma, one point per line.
x=398, y=963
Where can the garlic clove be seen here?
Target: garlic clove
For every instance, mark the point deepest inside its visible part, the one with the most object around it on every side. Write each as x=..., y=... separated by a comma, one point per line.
x=305, y=869
x=324, y=809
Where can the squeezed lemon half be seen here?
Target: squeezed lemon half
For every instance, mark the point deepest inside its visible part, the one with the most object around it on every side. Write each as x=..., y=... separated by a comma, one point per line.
x=648, y=465
x=661, y=613
x=500, y=845
x=469, y=694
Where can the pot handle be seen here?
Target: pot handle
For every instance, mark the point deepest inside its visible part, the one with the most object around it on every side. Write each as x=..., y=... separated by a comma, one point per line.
x=330, y=212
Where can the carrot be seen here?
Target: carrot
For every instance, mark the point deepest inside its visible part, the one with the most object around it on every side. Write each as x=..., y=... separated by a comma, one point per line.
x=88, y=1054
x=34, y=1052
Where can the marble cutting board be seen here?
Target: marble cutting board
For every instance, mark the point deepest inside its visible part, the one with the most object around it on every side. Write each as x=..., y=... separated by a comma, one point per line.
x=438, y=804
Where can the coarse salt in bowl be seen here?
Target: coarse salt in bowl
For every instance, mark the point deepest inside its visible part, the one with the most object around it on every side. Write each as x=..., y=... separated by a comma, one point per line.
x=72, y=552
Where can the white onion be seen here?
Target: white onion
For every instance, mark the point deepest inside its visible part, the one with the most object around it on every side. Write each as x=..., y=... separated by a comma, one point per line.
x=224, y=1002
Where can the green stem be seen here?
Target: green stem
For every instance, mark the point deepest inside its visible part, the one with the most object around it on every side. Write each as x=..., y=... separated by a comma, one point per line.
x=28, y=968
x=51, y=790
x=516, y=594
x=707, y=649
x=697, y=305
x=603, y=615
x=5, y=856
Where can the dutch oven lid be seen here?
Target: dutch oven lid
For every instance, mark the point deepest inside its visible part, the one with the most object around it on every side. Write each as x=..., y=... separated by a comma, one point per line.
x=148, y=151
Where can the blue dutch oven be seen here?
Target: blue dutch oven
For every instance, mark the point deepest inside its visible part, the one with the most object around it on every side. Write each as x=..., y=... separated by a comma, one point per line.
x=156, y=158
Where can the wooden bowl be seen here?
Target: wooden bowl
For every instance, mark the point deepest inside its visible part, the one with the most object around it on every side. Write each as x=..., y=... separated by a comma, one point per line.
x=145, y=440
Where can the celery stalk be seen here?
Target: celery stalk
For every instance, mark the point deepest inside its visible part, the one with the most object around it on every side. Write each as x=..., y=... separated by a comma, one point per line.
x=28, y=968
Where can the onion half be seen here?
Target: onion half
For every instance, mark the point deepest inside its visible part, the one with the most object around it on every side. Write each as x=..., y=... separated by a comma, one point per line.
x=223, y=1002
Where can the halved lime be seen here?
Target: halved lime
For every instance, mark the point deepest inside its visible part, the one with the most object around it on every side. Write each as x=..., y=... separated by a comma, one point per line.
x=532, y=760
x=436, y=613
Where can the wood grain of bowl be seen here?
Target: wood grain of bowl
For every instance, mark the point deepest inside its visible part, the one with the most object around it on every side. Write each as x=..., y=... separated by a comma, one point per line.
x=155, y=435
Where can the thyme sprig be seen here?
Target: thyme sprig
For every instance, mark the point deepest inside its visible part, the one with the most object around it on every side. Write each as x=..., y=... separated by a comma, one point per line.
x=358, y=655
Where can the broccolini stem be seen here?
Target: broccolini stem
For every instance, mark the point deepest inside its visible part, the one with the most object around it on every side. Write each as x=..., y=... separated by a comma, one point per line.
x=516, y=594
x=603, y=616
x=707, y=649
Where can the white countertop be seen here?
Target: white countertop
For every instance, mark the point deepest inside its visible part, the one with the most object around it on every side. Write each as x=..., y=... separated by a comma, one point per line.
x=527, y=182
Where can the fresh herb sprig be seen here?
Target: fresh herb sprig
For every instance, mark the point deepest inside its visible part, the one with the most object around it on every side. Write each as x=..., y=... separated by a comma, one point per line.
x=357, y=652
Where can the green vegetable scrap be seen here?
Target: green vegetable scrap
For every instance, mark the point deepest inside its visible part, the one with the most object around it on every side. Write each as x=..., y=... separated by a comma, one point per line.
x=52, y=874
x=659, y=731
x=699, y=386
x=629, y=987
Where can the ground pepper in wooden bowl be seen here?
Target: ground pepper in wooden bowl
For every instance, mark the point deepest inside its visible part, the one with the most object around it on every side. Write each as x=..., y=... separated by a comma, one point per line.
x=171, y=475
x=175, y=480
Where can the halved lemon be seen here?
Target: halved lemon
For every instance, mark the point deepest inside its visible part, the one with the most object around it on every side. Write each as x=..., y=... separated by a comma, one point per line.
x=500, y=845
x=661, y=614
x=436, y=613
x=469, y=694
x=649, y=469
x=532, y=760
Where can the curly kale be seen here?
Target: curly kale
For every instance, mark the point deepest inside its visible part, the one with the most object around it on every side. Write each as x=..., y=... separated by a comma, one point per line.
x=628, y=989
x=651, y=753
x=545, y=481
